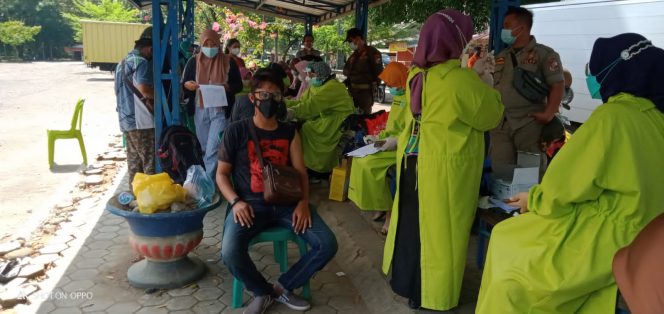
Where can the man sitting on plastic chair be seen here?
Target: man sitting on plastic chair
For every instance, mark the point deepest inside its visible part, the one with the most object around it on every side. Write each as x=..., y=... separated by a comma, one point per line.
x=280, y=144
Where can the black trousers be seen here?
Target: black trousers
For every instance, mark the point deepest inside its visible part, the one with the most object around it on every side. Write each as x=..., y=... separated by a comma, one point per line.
x=406, y=272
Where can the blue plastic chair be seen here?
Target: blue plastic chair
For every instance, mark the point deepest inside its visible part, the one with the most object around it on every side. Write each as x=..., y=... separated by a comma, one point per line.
x=483, y=235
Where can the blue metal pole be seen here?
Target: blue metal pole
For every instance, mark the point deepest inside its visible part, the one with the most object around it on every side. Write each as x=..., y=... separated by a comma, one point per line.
x=157, y=21
x=189, y=21
x=362, y=16
x=174, y=77
x=165, y=45
x=498, y=10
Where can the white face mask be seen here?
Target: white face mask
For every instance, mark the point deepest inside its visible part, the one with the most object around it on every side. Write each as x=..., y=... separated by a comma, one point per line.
x=235, y=51
x=352, y=45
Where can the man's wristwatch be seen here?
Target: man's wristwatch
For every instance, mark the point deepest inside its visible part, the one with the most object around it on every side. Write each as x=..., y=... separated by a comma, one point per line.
x=236, y=200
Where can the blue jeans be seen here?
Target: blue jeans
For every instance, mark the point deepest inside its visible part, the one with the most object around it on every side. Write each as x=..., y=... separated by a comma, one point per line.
x=209, y=123
x=235, y=248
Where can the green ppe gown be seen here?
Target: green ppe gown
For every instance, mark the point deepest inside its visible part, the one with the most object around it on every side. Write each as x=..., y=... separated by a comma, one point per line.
x=457, y=107
x=367, y=187
x=602, y=188
x=323, y=109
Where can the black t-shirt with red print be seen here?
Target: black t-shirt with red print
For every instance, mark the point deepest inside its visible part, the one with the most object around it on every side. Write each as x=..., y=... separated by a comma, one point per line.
x=238, y=149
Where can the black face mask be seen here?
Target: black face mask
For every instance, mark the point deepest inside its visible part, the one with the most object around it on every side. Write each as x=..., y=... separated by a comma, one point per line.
x=269, y=108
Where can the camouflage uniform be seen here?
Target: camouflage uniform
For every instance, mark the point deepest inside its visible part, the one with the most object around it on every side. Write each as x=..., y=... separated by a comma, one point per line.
x=140, y=152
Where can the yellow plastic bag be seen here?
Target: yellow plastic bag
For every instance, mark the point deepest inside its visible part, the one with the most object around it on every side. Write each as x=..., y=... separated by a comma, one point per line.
x=156, y=192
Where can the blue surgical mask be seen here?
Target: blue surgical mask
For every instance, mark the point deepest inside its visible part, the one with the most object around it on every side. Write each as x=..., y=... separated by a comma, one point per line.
x=396, y=91
x=593, y=84
x=210, y=52
x=593, y=87
x=316, y=81
x=507, y=37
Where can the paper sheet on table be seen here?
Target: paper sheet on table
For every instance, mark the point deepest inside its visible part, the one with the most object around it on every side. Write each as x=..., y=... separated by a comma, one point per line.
x=213, y=96
x=364, y=151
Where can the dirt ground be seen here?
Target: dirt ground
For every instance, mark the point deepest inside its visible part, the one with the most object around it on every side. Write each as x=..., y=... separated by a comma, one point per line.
x=35, y=97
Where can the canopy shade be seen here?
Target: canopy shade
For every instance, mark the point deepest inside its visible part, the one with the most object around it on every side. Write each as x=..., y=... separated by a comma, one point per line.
x=317, y=11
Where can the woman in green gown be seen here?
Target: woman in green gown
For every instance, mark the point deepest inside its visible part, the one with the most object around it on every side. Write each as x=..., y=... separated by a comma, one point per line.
x=368, y=187
x=602, y=188
x=323, y=107
x=439, y=161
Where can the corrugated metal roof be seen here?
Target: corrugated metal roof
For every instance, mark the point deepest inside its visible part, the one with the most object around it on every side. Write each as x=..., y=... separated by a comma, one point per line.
x=319, y=11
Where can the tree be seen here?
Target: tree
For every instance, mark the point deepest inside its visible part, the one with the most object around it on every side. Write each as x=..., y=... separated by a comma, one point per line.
x=55, y=32
x=105, y=10
x=398, y=11
x=381, y=35
x=287, y=35
x=16, y=34
x=330, y=39
x=248, y=28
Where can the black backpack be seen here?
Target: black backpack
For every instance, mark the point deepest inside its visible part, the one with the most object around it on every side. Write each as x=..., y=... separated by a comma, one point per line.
x=179, y=149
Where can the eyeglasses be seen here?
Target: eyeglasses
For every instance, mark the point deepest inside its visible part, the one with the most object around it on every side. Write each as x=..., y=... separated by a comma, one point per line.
x=263, y=95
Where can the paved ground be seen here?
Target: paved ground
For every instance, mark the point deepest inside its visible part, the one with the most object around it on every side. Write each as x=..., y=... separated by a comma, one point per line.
x=35, y=97
x=90, y=273
x=87, y=258
x=98, y=256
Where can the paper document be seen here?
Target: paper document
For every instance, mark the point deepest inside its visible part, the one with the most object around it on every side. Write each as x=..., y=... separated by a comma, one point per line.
x=213, y=96
x=502, y=205
x=364, y=151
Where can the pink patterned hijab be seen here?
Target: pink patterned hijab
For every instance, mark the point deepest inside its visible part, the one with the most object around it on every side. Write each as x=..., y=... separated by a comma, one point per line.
x=444, y=35
x=300, y=66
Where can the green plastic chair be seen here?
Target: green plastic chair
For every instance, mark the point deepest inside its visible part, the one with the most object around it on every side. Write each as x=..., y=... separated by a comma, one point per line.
x=73, y=133
x=279, y=237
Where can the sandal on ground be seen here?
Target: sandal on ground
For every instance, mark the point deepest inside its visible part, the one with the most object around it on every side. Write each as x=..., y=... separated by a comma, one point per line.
x=378, y=216
x=384, y=230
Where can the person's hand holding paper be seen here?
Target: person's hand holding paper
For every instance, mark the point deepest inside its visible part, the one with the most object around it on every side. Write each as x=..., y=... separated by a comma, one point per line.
x=389, y=145
x=213, y=96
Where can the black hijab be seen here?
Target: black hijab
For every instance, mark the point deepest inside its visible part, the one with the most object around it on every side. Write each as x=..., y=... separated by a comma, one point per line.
x=639, y=71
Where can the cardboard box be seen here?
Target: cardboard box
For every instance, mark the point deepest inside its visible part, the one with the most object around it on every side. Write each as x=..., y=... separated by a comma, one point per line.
x=508, y=180
x=339, y=181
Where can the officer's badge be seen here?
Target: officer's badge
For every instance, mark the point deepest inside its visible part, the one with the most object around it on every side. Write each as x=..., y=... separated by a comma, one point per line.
x=554, y=65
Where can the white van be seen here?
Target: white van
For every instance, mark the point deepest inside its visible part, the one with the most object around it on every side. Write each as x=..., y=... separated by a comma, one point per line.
x=571, y=28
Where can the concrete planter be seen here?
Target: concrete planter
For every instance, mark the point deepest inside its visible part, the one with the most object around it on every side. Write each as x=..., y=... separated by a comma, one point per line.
x=164, y=239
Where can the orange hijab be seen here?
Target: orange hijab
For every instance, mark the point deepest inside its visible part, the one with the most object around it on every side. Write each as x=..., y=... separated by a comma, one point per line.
x=212, y=70
x=395, y=75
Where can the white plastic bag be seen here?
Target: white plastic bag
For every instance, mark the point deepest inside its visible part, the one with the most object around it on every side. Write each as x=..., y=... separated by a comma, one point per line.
x=199, y=186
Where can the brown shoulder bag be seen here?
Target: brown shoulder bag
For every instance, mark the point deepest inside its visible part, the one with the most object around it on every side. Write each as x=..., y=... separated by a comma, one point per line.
x=281, y=184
